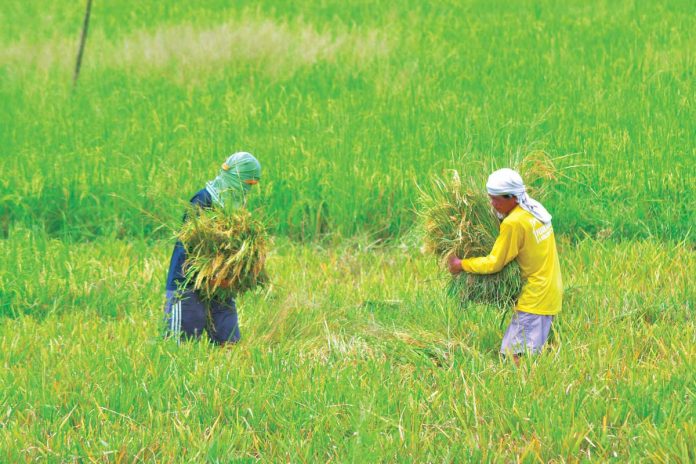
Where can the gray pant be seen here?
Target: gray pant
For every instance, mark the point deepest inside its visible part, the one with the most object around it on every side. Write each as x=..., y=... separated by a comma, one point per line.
x=187, y=316
x=527, y=333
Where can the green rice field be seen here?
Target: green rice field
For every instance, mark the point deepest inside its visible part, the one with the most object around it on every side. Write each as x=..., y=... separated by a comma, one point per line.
x=354, y=352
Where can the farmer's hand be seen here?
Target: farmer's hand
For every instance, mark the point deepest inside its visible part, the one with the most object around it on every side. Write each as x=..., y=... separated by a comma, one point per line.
x=454, y=264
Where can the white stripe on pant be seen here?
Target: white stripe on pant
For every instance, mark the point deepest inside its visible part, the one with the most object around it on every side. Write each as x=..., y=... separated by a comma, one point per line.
x=175, y=324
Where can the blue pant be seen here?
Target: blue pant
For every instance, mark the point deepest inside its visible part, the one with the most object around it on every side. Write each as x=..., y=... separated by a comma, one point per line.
x=186, y=316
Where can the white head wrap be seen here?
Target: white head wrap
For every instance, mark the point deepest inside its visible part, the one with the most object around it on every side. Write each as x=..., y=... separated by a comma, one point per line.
x=508, y=182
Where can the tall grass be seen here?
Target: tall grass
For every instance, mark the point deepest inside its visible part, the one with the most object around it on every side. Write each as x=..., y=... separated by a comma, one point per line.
x=345, y=132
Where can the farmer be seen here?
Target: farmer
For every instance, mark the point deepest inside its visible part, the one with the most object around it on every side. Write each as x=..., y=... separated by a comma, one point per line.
x=526, y=235
x=185, y=313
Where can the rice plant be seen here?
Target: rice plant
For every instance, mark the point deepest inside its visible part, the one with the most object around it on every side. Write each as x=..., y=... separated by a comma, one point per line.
x=226, y=251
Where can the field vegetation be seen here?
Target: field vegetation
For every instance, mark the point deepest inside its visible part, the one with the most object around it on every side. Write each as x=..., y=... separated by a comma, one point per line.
x=354, y=352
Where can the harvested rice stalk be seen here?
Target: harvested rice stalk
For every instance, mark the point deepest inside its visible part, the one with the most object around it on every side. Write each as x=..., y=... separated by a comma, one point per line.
x=457, y=219
x=225, y=252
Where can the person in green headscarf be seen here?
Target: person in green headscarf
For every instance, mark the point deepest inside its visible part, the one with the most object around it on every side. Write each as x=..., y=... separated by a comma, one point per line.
x=237, y=175
x=185, y=313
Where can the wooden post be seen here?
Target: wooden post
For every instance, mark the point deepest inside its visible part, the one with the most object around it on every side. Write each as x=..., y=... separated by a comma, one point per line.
x=83, y=39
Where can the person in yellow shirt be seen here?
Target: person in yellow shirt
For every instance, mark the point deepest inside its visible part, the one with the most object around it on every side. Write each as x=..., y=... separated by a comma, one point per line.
x=526, y=234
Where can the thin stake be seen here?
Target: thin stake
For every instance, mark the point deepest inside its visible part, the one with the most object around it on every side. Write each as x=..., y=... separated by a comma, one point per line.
x=83, y=39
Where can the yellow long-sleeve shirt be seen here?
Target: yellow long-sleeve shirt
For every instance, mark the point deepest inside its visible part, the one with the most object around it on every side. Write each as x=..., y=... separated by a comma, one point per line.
x=533, y=244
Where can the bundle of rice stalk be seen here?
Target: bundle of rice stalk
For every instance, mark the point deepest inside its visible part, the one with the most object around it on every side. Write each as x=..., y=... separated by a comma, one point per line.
x=225, y=252
x=457, y=219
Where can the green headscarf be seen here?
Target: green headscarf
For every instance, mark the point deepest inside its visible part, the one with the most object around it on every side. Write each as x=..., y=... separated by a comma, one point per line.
x=230, y=183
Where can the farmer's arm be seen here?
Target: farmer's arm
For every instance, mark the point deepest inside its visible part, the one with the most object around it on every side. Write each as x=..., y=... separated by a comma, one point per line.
x=505, y=249
x=200, y=200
